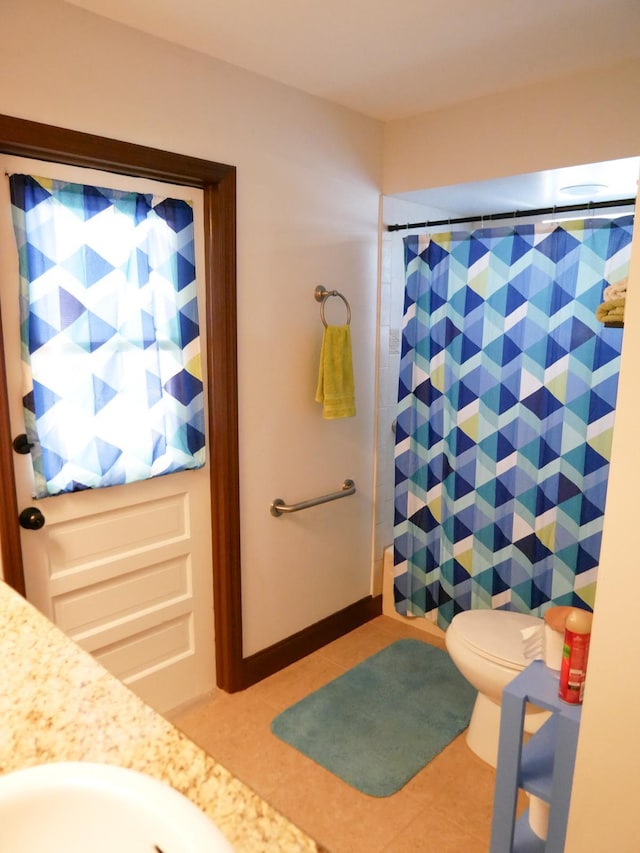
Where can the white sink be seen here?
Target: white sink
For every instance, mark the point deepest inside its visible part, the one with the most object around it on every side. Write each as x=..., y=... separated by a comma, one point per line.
x=99, y=808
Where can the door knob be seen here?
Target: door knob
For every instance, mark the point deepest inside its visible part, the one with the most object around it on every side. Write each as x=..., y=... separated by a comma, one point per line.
x=31, y=518
x=21, y=444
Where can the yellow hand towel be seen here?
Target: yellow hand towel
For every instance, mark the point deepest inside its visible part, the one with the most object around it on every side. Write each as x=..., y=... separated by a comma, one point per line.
x=335, y=378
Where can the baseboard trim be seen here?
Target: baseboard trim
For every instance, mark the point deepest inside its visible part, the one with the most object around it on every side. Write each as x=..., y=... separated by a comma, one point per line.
x=298, y=645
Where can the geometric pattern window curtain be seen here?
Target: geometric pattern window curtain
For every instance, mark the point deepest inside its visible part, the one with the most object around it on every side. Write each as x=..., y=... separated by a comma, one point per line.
x=110, y=339
x=507, y=396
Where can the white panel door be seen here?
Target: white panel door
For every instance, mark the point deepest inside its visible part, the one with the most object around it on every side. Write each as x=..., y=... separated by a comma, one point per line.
x=125, y=571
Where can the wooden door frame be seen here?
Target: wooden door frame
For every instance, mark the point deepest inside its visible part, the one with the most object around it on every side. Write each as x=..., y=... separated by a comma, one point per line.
x=218, y=183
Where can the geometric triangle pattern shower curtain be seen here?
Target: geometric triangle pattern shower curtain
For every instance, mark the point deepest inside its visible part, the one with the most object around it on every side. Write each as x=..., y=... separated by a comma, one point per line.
x=507, y=396
x=110, y=337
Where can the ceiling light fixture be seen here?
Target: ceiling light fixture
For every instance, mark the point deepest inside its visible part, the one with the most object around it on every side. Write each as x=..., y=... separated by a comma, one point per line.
x=584, y=190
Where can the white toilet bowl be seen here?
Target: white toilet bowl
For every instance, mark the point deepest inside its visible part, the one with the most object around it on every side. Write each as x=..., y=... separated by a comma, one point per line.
x=486, y=646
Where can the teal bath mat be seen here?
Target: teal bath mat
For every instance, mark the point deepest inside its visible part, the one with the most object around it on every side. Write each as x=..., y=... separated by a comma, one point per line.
x=381, y=722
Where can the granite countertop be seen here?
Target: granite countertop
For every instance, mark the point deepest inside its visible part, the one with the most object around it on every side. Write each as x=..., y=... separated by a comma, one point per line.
x=59, y=704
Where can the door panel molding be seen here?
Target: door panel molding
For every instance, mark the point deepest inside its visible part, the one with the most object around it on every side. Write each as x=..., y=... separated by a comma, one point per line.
x=218, y=182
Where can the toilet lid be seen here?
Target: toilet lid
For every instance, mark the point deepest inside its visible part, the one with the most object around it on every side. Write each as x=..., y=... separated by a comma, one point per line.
x=495, y=634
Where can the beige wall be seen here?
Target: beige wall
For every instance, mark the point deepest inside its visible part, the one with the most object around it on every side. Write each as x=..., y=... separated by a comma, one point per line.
x=578, y=120
x=605, y=791
x=309, y=175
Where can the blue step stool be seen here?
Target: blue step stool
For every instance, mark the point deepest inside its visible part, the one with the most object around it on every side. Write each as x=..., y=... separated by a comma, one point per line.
x=543, y=766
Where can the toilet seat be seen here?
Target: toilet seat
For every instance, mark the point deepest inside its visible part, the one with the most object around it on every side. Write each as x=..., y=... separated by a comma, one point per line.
x=494, y=635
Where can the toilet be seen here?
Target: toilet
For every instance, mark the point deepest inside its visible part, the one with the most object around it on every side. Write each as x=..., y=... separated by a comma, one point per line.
x=486, y=646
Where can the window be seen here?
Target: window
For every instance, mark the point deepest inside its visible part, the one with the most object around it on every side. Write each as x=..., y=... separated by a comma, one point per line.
x=109, y=333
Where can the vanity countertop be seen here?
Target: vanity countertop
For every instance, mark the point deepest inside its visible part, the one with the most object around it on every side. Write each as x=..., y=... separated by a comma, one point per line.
x=58, y=704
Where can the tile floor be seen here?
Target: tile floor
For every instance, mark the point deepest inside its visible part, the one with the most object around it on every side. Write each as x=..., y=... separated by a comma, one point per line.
x=446, y=808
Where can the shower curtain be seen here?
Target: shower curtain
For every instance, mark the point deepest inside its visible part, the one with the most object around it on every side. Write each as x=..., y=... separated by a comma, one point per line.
x=507, y=395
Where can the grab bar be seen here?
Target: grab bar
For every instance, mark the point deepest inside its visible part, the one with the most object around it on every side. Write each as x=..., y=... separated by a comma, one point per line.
x=278, y=507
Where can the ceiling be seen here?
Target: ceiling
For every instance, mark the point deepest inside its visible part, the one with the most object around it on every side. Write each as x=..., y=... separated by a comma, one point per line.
x=390, y=59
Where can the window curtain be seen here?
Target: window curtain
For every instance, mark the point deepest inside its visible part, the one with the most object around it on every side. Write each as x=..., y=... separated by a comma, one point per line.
x=507, y=395
x=110, y=338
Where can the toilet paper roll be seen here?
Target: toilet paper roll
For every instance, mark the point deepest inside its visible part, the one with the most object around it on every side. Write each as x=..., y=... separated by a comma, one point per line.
x=553, y=642
x=554, y=623
x=538, y=816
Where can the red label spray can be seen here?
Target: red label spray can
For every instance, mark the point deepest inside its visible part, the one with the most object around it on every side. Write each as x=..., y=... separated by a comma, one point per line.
x=575, y=654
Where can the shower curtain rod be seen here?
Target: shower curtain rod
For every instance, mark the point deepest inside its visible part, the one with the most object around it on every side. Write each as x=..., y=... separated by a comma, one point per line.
x=540, y=211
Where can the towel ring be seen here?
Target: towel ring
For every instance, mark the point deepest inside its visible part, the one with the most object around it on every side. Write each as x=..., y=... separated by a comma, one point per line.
x=321, y=295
